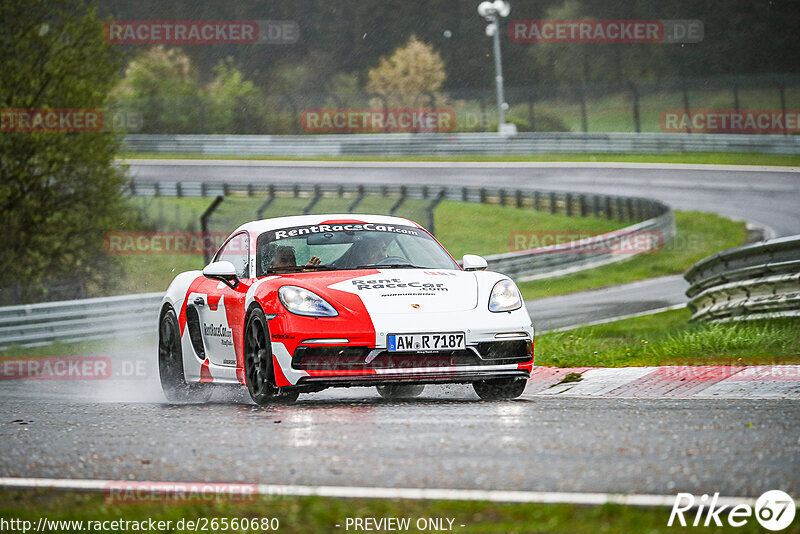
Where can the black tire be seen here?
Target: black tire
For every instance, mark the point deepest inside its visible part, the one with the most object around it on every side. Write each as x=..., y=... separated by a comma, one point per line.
x=170, y=363
x=500, y=388
x=258, y=369
x=400, y=391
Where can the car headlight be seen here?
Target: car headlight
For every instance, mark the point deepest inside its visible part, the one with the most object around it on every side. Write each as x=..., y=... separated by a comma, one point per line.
x=304, y=302
x=505, y=297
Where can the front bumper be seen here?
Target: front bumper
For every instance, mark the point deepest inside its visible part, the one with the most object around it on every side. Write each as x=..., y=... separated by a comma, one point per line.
x=333, y=366
x=410, y=376
x=348, y=357
x=365, y=360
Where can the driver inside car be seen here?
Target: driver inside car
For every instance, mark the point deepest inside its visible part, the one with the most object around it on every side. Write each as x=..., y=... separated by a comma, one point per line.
x=368, y=251
x=284, y=257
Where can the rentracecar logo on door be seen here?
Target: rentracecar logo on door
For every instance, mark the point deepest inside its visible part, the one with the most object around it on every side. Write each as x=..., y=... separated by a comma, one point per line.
x=221, y=331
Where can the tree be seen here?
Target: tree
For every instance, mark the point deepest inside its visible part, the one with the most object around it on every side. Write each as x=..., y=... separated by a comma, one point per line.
x=161, y=84
x=410, y=77
x=59, y=192
x=234, y=103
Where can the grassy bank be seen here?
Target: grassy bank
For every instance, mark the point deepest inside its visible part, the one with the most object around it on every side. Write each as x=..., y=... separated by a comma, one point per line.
x=668, y=339
x=313, y=514
x=717, y=158
x=699, y=235
x=462, y=227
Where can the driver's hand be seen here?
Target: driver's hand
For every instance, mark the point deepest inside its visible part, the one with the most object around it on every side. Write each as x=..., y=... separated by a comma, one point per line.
x=313, y=261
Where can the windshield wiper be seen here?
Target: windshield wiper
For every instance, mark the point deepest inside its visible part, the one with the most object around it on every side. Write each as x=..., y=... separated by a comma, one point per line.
x=317, y=268
x=300, y=268
x=390, y=266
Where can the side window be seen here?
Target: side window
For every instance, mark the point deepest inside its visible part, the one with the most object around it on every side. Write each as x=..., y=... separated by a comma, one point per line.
x=237, y=251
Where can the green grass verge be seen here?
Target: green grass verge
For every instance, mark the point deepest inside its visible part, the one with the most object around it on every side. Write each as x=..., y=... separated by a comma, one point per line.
x=699, y=235
x=669, y=339
x=465, y=228
x=314, y=514
x=717, y=158
x=613, y=112
x=487, y=232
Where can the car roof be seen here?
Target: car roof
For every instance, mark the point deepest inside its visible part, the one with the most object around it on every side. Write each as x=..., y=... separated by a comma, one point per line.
x=258, y=227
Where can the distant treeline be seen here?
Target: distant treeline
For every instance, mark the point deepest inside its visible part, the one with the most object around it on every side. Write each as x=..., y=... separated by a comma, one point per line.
x=341, y=39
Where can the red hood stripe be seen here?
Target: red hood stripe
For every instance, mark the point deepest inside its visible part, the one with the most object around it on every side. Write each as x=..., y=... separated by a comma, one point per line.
x=344, y=221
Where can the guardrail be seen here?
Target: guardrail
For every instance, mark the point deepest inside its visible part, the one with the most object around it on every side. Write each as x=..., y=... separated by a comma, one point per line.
x=78, y=320
x=97, y=318
x=458, y=143
x=655, y=221
x=756, y=281
x=557, y=260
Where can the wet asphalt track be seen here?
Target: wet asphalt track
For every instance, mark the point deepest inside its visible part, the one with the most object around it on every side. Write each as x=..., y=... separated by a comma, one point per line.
x=770, y=198
x=447, y=438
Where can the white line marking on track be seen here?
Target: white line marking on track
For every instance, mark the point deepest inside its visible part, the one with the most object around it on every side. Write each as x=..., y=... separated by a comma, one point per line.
x=357, y=492
x=613, y=319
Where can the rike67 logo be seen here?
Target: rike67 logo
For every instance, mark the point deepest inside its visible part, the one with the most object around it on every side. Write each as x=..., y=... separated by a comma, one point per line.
x=774, y=510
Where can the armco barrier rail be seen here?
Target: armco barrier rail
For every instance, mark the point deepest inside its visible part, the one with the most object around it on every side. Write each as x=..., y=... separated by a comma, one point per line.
x=78, y=320
x=556, y=260
x=756, y=281
x=458, y=143
x=41, y=324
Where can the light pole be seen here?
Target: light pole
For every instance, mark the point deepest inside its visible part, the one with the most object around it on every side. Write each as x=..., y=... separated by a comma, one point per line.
x=493, y=12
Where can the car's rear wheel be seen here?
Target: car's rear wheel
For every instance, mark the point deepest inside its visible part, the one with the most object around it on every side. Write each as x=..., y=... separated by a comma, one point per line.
x=500, y=388
x=170, y=363
x=400, y=391
x=258, y=369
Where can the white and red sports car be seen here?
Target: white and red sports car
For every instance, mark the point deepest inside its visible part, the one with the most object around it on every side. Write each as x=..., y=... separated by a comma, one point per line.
x=298, y=304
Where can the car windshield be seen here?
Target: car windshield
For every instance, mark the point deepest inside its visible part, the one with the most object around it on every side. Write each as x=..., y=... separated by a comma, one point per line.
x=348, y=246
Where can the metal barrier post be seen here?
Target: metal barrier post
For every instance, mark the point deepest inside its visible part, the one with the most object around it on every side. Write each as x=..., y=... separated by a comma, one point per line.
x=399, y=201
x=314, y=200
x=359, y=197
x=207, y=252
x=265, y=205
x=431, y=209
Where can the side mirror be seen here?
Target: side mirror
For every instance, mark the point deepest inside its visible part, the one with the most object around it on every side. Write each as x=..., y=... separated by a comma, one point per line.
x=224, y=271
x=474, y=263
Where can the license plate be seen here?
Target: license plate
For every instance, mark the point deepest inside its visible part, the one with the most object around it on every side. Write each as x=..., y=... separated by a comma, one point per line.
x=423, y=342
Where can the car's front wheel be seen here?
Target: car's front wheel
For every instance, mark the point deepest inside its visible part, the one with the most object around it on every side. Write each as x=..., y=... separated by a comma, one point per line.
x=500, y=388
x=400, y=391
x=258, y=368
x=170, y=363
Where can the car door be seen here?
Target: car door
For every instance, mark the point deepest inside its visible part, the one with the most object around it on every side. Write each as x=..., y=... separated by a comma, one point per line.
x=222, y=309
